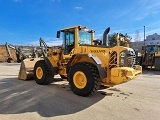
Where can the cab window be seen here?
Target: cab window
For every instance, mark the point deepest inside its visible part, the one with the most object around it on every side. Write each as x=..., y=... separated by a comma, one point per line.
x=68, y=43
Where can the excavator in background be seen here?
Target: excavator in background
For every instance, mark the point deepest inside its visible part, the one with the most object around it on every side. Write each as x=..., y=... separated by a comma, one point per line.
x=25, y=51
x=84, y=63
x=150, y=57
x=19, y=54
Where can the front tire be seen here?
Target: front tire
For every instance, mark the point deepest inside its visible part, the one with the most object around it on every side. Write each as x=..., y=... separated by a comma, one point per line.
x=42, y=74
x=83, y=79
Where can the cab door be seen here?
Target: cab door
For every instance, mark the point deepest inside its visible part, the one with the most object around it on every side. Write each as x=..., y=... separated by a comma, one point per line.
x=68, y=43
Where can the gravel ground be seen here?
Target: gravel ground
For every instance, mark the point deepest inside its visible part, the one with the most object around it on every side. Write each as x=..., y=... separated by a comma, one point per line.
x=138, y=99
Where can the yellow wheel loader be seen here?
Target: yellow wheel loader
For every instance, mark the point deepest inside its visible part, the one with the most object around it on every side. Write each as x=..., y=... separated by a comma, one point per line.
x=85, y=62
x=150, y=57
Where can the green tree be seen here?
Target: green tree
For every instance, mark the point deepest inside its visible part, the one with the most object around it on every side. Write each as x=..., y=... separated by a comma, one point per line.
x=112, y=39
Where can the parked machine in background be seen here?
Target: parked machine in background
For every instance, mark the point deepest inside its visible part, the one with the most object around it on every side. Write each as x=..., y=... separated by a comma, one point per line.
x=84, y=63
x=19, y=54
x=23, y=52
x=150, y=57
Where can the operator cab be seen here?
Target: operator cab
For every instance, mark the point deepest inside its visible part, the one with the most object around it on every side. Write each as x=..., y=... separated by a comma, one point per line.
x=151, y=48
x=75, y=36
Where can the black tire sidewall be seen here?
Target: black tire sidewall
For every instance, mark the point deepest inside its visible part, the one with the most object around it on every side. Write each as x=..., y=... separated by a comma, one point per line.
x=90, y=79
x=42, y=80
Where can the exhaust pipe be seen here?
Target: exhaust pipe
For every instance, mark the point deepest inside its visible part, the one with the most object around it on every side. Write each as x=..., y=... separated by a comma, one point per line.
x=105, y=36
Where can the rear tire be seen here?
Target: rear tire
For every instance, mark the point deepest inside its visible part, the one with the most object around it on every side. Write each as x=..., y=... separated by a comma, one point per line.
x=42, y=74
x=86, y=76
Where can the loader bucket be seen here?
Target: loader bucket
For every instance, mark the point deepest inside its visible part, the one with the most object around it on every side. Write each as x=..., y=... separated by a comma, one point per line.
x=123, y=74
x=26, y=69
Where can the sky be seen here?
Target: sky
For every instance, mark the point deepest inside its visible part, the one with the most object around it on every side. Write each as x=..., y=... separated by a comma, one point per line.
x=23, y=22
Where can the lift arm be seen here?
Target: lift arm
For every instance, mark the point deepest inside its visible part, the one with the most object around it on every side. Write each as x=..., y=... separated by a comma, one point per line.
x=43, y=46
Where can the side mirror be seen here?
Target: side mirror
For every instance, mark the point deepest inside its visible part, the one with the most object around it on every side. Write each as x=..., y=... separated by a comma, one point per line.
x=58, y=34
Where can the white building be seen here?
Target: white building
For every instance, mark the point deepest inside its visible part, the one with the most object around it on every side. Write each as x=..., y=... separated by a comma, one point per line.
x=155, y=36
x=152, y=39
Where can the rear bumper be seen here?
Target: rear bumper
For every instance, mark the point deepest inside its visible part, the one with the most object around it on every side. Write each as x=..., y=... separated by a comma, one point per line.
x=123, y=74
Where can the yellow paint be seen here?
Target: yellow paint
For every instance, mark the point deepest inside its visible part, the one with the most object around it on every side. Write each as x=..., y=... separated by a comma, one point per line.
x=115, y=74
x=39, y=72
x=79, y=80
x=123, y=74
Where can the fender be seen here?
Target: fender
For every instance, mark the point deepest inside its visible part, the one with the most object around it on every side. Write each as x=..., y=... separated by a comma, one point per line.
x=52, y=70
x=91, y=59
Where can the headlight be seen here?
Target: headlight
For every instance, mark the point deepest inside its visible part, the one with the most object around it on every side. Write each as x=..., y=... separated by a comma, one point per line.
x=122, y=54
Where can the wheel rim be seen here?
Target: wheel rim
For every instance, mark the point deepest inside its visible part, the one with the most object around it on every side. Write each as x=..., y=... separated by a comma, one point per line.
x=79, y=80
x=39, y=72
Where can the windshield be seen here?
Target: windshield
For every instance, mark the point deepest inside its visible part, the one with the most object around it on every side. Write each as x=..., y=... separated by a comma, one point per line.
x=84, y=37
x=151, y=48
